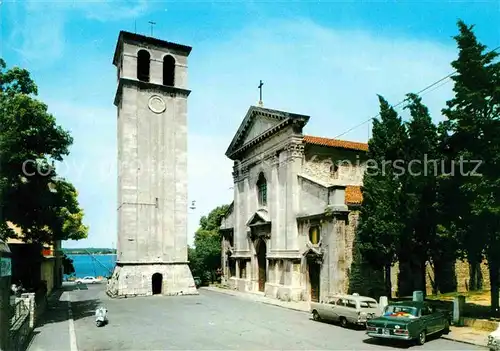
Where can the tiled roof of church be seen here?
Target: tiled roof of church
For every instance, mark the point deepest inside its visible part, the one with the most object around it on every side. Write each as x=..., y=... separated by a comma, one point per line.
x=344, y=144
x=353, y=195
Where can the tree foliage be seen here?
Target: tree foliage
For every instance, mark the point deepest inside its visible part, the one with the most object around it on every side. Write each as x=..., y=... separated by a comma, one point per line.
x=68, y=266
x=32, y=197
x=205, y=257
x=473, y=126
x=436, y=212
x=380, y=226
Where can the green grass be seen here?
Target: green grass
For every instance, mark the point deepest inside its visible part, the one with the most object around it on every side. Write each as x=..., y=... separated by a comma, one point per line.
x=470, y=296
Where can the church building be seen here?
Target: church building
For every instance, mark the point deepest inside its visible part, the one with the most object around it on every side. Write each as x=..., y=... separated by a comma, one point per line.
x=290, y=229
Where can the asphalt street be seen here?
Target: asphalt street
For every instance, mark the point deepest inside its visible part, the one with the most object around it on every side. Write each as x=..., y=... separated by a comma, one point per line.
x=209, y=321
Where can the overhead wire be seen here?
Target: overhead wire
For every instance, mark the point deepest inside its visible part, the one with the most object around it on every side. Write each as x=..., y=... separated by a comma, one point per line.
x=445, y=79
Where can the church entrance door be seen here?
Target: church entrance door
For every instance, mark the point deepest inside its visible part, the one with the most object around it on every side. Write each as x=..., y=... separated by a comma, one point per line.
x=314, y=274
x=156, y=283
x=261, y=261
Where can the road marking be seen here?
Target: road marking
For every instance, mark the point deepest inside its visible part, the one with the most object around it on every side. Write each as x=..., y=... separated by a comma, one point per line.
x=72, y=334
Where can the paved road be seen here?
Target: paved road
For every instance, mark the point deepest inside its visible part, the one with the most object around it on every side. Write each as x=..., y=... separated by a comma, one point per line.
x=209, y=321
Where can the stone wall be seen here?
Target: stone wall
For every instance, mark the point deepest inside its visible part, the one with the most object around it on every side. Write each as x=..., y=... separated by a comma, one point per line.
x=25, y=314
x=334, y=166
x=461, y=271
x=350, y=232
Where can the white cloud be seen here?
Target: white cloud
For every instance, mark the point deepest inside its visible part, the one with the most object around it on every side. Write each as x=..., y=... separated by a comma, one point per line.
x=38, y=34
x=104, y=11
x=331, y=75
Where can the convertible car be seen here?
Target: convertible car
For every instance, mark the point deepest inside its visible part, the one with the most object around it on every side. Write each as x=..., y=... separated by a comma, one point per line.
x=408, y=321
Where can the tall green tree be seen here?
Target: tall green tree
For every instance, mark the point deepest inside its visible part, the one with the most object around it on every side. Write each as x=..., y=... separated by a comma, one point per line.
x=473, y=124
x=205, y=257
x=421, y=241
x=31, y=196
x=380, y=224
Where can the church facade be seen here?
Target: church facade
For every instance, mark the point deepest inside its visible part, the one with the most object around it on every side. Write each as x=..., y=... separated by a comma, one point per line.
x=290, y=229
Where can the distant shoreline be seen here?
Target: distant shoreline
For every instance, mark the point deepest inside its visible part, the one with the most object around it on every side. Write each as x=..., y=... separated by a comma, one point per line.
x=89, y=253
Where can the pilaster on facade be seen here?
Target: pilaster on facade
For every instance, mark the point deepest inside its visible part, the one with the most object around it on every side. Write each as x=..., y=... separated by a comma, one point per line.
x=295, y=149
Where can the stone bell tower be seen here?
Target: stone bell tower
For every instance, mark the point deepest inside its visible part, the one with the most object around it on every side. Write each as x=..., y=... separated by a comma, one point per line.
x=151, y=99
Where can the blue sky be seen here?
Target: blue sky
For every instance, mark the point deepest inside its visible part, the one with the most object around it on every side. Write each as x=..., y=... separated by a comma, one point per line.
x=326, y=59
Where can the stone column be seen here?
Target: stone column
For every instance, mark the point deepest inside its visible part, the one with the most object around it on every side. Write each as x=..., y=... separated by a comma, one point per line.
x=383, y=302
x=458, y=305
x=238, y=268
x=5, y=281
x=418, y=296
x=275, y=204
x=294, y=164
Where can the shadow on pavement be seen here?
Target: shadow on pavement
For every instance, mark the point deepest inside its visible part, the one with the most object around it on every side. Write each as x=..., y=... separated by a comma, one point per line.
x=398, y=344
x=58, y=310
x=32, y=337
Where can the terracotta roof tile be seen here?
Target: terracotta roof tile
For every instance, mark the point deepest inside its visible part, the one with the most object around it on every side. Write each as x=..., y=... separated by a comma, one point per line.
x=353, y=195
x=344, y=144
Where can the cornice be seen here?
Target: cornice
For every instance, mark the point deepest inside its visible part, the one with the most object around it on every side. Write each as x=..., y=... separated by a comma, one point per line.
x=127, y=82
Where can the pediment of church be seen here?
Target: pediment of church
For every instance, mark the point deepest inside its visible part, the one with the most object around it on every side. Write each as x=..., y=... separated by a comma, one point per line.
x=259, y=124
x=260, y=217
x=315, y=254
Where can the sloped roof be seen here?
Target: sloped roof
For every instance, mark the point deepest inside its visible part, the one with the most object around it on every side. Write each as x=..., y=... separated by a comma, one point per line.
x=337, y=143
x=253, y=112
x=353, y=195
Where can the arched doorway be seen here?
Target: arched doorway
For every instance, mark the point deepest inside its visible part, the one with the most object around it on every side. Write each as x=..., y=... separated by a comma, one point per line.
x=314, y=274
x=262, y=263
x=156, y=283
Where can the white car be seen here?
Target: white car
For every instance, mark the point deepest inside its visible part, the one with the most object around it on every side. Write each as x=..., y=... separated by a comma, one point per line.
x=87, y=280
x=346, y=309
x=494, y=340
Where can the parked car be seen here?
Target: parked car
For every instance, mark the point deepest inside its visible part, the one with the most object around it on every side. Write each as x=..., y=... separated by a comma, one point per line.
x=411, y=320
x=197, y=282
x=494, y=340
x=354, y=309
x=87, y=280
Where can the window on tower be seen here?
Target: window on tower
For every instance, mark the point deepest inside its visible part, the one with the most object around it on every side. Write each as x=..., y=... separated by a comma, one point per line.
x=169, y=71
x=143, y=59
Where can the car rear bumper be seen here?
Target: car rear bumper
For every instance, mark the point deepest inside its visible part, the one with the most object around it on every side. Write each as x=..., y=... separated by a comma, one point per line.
x=392, y=336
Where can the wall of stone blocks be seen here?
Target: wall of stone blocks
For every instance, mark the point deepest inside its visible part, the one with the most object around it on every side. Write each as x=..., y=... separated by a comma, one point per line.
x=462, y=275
x=462, y=272
x=350, y=234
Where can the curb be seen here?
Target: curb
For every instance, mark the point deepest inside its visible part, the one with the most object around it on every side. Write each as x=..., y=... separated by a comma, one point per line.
x=270, y=303
x=463, y=341
x=286, y=307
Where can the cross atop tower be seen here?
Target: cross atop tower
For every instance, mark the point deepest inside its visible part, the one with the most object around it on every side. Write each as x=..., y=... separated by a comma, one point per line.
x=260, y=93
x=152, y=24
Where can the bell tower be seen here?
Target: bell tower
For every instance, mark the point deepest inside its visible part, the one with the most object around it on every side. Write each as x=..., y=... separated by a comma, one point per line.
x=151, y=101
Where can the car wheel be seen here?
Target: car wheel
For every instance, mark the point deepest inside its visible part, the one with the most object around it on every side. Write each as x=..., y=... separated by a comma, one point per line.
x=421, y=338
x=316, y=316
x=446, y=329
x=343, y=322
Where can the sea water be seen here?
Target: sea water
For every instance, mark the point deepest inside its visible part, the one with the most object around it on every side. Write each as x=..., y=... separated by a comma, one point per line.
x=93, y=265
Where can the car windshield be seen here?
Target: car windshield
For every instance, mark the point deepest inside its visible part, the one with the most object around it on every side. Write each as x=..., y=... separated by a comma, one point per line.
x=400, y=311
x=367, y=304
